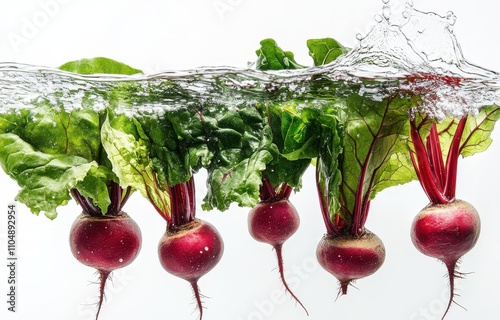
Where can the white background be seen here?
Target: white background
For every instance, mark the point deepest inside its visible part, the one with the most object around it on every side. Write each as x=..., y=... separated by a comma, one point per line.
x=165, y=35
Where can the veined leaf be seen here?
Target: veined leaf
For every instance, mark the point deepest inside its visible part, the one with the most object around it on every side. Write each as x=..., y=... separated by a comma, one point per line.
x=477, y=133
x=132, y=165
x=375, y=132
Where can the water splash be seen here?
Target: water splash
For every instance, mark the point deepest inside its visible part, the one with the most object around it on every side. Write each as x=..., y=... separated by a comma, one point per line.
x=419, y=54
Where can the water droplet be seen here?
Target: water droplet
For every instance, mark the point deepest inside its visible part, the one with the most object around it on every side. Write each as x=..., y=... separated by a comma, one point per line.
x=385, y=1
x=386, y=12
x=206, y=248
x=121, y=260
x=378, y=18
x=359, y=36
x=451, y=18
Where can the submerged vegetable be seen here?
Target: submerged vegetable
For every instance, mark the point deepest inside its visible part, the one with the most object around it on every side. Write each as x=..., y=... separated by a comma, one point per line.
x=358, y=157
x=447, y=228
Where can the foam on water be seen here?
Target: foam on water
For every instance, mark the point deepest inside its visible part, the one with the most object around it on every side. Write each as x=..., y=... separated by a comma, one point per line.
x=418, y=54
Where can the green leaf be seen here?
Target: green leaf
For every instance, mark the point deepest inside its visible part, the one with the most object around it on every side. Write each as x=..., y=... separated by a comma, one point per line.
x=476, y=136
x=326, y=50
x=329, y=162
x=98, y=65
x=292, y=137
x=239, y=184
x=128, y=153
x=375, y=133
x=271, y=57
x=95, y=186
x=297, y=139
x=53, y=130
x=45, y=179
x=242, y=147
x=477, y=132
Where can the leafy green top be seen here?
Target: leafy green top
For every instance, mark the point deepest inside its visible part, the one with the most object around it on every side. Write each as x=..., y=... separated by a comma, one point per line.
x=49, y=151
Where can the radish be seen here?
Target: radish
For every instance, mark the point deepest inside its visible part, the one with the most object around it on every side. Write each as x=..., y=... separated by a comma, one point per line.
x=190, y=251
x=348, y=257
x=273, y=221
x=355, y=157
x=105, y=242
x=447, y=228
x=446, y=231
x=190, y=247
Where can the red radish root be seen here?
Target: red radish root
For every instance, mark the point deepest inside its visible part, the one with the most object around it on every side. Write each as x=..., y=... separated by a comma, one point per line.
x=106, y=243
x=349, y=257
x=446, y=232
x=190, y=251
x=274, y=222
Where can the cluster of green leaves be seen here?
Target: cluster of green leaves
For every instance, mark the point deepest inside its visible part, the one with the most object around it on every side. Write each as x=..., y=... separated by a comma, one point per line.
x=296, y=131
x=361, y=146
x=50, y=151
x=358, y=142
x=151, y=153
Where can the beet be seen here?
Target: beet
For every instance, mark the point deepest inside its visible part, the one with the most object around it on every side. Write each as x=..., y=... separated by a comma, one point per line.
x=274, y=222
x=190, y=251
x=106, y=243
x=349, y=257
x=447, y=232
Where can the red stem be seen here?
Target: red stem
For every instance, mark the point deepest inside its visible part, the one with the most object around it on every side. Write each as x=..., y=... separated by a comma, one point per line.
x=452, y=160
x=366, y=209
x=182, y=203
x=125, y=197
x=266, y=190
x=269, y=193
x=116, y=196
x=81, y=201
x=330, y=227
x=423, y=167
x=436, y=157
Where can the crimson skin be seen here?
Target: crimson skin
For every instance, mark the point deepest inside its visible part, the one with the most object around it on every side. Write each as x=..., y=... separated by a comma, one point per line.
x=105, y=242
x=273, y=222
x=446, y=231
x=192, y=251
x=350, y=258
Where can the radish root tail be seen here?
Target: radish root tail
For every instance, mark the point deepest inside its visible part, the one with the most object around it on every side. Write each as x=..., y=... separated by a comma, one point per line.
x=103, y=277
x=278, y=249
x=197, y=296
x=452, y=275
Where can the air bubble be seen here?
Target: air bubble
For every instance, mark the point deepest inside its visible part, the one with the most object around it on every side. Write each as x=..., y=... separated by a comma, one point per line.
x=121, y=260
x=378, y=18
x=386, y=12
x=451, y=18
